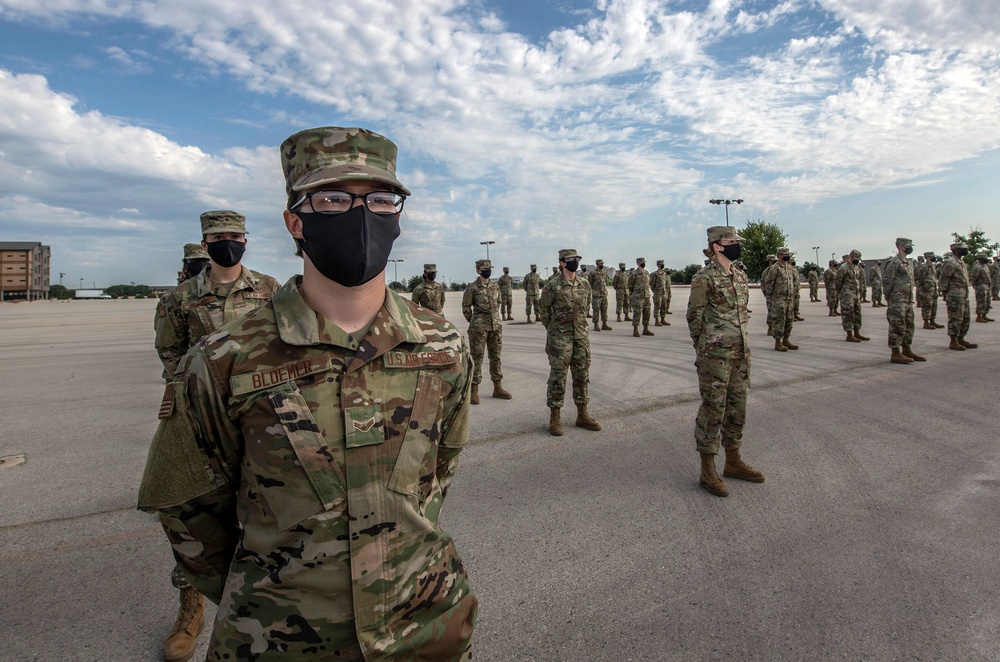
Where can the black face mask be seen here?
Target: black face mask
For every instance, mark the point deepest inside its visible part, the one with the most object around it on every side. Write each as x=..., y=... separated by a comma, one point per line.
x=226, y=252
x=431, y=275
x=642, y=265
x=486, y=273
x=983, y=260
x=732, y=251
x=962, y=252
x=194, y=267
x=621, y=269
x=908, y=250
x=534, y=270
x=350, y=248
x=572, y=265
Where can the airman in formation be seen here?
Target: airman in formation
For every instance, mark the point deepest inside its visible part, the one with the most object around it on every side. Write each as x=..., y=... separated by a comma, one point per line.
x=830, y=285
x=506, y=284
x=897, y=284
x=659, y=282
x=849, y=296
x=481, y=308
x=980, y=278
x=598, y=280
x=779, y=285
x=953, y=284
x=532, y=285
x=877, y=285
x=620, y=285
x=429, y=293
x=638, y=287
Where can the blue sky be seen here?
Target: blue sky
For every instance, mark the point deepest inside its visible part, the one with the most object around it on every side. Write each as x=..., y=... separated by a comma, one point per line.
x=605, y=126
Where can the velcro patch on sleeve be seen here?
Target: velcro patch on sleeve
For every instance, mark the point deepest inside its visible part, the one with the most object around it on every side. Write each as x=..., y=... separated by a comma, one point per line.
x=269, y=377
x=167, y=403
x=397, y=359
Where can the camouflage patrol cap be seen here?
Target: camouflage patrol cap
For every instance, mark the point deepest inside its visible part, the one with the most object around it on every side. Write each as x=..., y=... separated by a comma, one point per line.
x=982, y=255
x=772, y=256
x=845, y=256
x=957, y=245
x=784, y=251
x=600, y=262
x=720, y=232
x=639, y=259
x=855, y=253
x=223, y=220
x=331, y=154
x=659, y=263
x=534, y=266
x=833, y=263
x=483, y=264
x=195, y=252
x=621, y=265
x=904, y=242
x=430, y=267
x=568, y=254
x=928, y=253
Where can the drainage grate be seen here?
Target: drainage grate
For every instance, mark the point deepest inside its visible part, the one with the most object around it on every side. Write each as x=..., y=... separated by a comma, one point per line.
x=9, y=461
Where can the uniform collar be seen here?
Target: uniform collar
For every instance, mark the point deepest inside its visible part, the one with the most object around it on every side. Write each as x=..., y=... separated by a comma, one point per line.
x=206, y=285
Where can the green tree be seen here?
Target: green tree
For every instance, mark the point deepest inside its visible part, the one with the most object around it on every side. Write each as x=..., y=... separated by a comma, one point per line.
x=809, y=266
x=59, y=292
x=131, y=290
x=978, y=242
x=413, y=282
x=457, y=286
x=683, y=276
x=759, y=240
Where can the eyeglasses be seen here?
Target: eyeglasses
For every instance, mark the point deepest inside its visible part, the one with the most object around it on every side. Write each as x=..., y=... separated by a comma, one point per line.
x=338, y=202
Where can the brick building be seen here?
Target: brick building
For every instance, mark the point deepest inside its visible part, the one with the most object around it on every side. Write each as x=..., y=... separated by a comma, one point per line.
x=24, y=270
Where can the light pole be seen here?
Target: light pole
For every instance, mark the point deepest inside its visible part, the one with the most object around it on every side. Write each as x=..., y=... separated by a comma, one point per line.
x=395, y=270
x=727, y=203
x=487, y=244
x=81, y=283
x=816, y=248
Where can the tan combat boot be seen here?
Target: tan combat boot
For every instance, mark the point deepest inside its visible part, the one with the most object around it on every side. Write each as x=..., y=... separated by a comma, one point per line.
x=665, y=322
x=936, y=325
x=980, y=319
x=646, y=331
x=597, y=326
x=618, y=316
x=965, y=344
x=529, y=319
x=555, y=423
x=474, y=398
x=898, y=357
x=955, y=344
x=928, y=325
x=498, y=391
x=789, y=345
x=799, y=318
x=627, y=318
x=770, y=331
x=605, y=326
x=635, y=332
x=180, y=642
x=709, y=478
x=851, y=338
x=585, y=421
x=735, y=467
x=657, y=322
x=907, y=352
x=779, y=346
x=857, y=334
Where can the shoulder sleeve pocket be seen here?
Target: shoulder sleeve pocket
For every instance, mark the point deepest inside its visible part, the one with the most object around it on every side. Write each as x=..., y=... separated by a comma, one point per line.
x=414, y=471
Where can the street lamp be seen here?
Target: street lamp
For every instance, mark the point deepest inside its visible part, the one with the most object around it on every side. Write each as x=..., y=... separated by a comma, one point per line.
x=487, y=244
x=816, y=248
x=61, y=274
x=727, y=203
x=395, y=270
x=81, y=283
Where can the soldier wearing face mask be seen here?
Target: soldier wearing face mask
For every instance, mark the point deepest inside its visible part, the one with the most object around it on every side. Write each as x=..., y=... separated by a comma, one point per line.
x=897, y=284
x=638, y=287
x=218, y=290
x=506, y=284
x=620, y=284
x=429, y=293
x=953, y=284
x=781, y=285
x=979, y=276
x=847, y=292
x=481, y=307
x=830, y=285
x=532, y=285
x=305, y=449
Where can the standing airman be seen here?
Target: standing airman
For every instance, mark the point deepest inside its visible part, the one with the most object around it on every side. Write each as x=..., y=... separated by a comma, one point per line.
x=638, y=287
x=481, y=307
x=620, y=285
x=897, y=283
x=598, y=279
x=953, y=283
x=506, y=285
x=658, y=282
x=532, y=282
x=429, y=293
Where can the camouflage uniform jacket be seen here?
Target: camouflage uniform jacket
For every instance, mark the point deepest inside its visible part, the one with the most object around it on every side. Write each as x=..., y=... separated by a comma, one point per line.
x=925, y=277
x=979, y=276
x=429, y=294
x=847, y=278
x=954, y=278
x=620, y=280
x=898, y=280
x=781, y=281
x=563, y=307
x=994, y=272
x=814, y=278
x=506, y=283
x=638, y=282
x=300, y=473
x=481, y=305
x=717, y=312
x=830, y=278
x=658, y=281
x=764, y=276
x=198, y=307
x=598, y=280
x=862, y=276
x=531, y=283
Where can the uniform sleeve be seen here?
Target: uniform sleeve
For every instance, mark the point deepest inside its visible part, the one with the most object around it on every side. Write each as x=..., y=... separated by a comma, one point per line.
x=888, y=278
x=171, y=335
x=192, y=475
x=944, y=280
x=455, y=426
x=467, y=304
x=415, y=296
x=697, y=302
x=545, y=306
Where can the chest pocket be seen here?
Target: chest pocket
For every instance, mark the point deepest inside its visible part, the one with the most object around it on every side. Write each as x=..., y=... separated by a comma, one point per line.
x=312, y=457
x=416, y=464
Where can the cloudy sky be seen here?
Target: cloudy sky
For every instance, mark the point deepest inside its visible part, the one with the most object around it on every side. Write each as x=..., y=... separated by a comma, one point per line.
x=602, y=125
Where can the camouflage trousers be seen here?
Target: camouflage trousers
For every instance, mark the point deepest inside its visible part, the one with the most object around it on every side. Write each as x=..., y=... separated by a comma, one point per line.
x=877, y=294
x=659, y=305
x=900, y=317
x=479, y=342
x=958, y=313
x=983, y=304
x=782, y=317
x=506, y=300
x=724, y=384
x=567, y=354
x=831, y=299
x=850, y=312
x=529, y=301
x=640, y=308
x=767, y=302
x=600, y=309
x=798, y=299
x=928, y=306
x=814, y=292
x=178, y=579
x=863, y=294
x=621, y=302
x=995, y=287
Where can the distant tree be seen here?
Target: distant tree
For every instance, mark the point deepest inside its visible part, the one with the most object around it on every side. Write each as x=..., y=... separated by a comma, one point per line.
x=457, y=286
x=759, y=240
x=978, y=242
x=121, y=291
x=59, y=292
x=683, y=276
x=809, y=266
x=413, y=282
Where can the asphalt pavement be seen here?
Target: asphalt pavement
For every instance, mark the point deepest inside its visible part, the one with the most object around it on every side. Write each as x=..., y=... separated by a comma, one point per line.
x=873, y=538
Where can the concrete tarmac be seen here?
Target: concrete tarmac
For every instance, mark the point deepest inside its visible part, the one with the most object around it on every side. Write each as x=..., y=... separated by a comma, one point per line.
x=874, y=537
